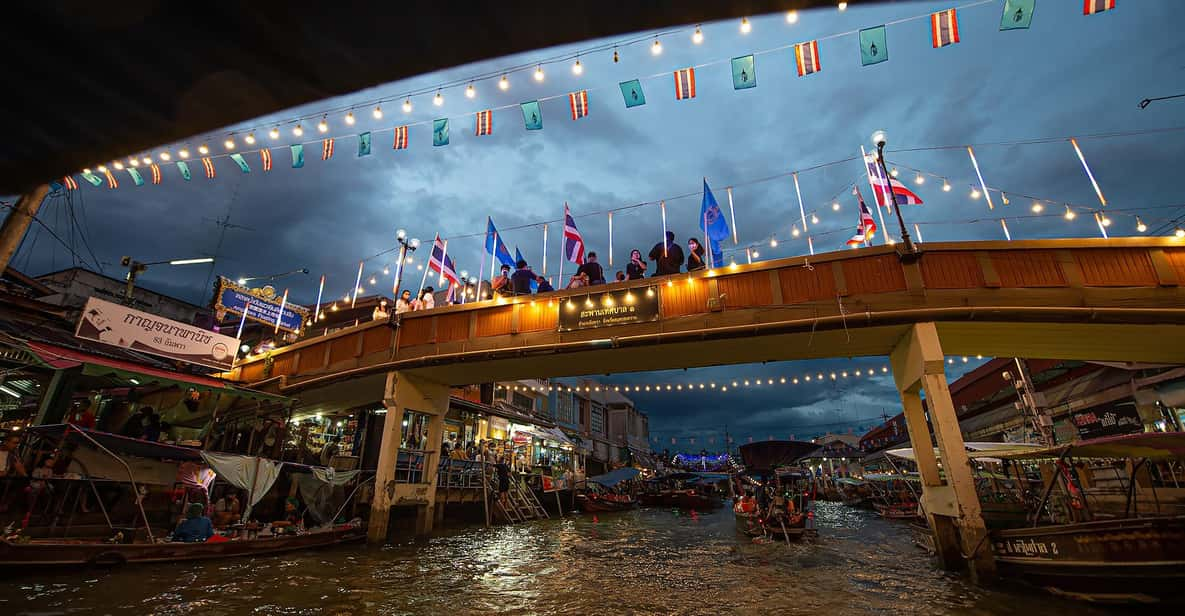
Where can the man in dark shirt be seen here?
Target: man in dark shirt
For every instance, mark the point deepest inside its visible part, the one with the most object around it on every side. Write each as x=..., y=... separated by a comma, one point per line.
x=543, y=285
x=592, y=269
x=521, y=279
x=668, y=261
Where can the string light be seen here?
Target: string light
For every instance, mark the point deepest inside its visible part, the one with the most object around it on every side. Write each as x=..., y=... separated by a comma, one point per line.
x=835, y=206
x=945, y=185
x=298, y=131
x=1070, y=215
x=1106, y=222
x=407, y=105
x=893, y=172
x=1179, y=232
x=791, y=17
x=746, y=27
x=163, y=156
x=438, y=100
x=539, y=72
x=118, y=165
x=203, y=149
x=102, y=168
x=229, y=143
x=814, y=219
x=378, y=112
x=147, y=160
x=1037, y=207
x=615, y=56
x=975, y=194
x=349, y=121
x=843, y=6
x=794, y=232
x=133, y=162
x=470, y=92
x=184, y=153
x=274, y=133
x=1004, y=198
x=698, y=37
x=323, y=125
x=1140, y=226
x=920, y=179
x=504, y=83
x=656, y=48
x=773, y=242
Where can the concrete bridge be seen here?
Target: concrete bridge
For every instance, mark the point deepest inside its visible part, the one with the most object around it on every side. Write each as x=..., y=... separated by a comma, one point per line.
x=1118, y=300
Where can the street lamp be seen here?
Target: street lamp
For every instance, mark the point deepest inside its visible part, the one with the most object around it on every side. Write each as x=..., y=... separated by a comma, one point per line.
x=135, y=268
x=243, y=281
x=406, y=245
x=879, y=138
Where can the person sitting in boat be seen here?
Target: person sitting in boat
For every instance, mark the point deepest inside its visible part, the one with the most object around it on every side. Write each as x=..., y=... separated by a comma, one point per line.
x=196, y=527
x=226, y=509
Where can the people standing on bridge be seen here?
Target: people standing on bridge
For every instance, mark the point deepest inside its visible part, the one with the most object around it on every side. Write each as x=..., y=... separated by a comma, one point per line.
x=636, y=268
x=502, y=284
x=619, y=277
x=667, y=256
x=427, y=299
x=380, y=312
x=403, y=304
x=695, y=256
x=591, y=269
x=520, y=281
x=542, y=285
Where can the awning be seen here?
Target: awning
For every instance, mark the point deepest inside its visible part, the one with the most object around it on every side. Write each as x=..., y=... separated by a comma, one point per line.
x=984, y=450
x=1154, y=445
x=118, y=444
x=60, y=358
x=613, y=478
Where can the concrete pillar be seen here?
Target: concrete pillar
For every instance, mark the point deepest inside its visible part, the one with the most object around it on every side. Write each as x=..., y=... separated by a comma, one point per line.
x=405, y=392
x=12, y=231
x=952, y=505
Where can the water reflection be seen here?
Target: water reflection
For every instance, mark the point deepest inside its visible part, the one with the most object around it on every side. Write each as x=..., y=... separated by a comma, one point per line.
x=647, y=561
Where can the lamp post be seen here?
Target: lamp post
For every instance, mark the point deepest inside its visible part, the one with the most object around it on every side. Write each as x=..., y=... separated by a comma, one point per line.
x=879, y=139
x=135, y=268
x=406, y=245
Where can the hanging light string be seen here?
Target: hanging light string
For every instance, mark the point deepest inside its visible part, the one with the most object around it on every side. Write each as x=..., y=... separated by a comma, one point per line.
x=722, y=385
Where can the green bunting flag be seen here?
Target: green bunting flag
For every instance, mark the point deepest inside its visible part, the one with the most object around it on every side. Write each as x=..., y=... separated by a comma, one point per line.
x=241, y=162
x=1017, y=15
x=136, y=177
x=532, y=115
x=744, y=73
x=440, y=132
x=632, y=92
x=298, y=156
x=874, y=46
x=92, y=178
x=364, y=144
x=184, y=167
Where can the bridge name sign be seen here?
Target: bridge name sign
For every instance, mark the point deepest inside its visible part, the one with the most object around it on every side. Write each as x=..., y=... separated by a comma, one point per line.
x=608, y=308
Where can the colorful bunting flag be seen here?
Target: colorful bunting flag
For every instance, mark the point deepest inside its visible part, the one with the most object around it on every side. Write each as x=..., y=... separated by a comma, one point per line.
x=92, y=178
x=364, y=144
x=685, y=83
x=184, y=167
x=241, y=162
x=208, y=165
x=532, y=115
x=944, y=28
x=866, y=227
x=400, y=138
x=879, y=182
x=70, y=183
x=806, y=55
x=1017, y=15
x=632, y=92
x=1090, y=7
x=137, y=179
x=578, y=101
x=744, y=72
x=327, y=148
x=297, y=156
x=156, y=176
x=265, y=158
x=874, y=46
x=483, y=123
x=440, y=132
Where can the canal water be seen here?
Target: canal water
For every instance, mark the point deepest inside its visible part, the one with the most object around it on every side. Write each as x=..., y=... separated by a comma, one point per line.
x=648, y=561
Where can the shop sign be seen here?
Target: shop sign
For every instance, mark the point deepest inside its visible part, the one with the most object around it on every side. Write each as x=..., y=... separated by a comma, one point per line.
x=499, y=423
x=120, y=326
x=262, y=305
x=1120, y=418
x=608, y=308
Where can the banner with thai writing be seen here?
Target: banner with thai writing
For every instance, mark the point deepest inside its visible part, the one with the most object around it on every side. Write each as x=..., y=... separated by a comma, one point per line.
x=120, y=326
x=262, y=305
x=624, y=307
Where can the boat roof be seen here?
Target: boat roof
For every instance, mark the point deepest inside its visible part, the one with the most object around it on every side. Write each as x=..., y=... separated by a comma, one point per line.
x=907, y=453
x=892, y=477
x=1152, y=445
x=118, y=444
x=615, y=477
x=849, y=481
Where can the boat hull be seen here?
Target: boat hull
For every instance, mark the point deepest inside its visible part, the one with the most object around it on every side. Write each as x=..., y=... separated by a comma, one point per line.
x=600, y=505
x=750, y=525
x=897, y=512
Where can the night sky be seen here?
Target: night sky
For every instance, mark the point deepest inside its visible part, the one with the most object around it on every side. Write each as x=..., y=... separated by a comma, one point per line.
x=1068, y=75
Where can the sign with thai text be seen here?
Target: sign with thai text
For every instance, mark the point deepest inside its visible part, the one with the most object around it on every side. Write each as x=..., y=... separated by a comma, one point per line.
x=1122, y=418
x=120, y=326
x=261, y=305
x=608, y=308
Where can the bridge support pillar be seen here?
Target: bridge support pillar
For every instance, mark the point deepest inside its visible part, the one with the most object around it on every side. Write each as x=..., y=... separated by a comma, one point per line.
x=404, y=392
x=951, y=505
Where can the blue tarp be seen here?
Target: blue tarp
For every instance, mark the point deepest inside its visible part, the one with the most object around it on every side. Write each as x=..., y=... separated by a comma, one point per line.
x=613, y=478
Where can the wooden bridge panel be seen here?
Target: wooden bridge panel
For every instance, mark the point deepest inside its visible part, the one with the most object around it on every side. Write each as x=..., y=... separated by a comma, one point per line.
x=341, y=349
x=880, y=274
x=252, y=372
x=374, y=340
x=1118, y=267
x=450, y=327
x=495, y=321
x=311, y=358
x=746, y=290
x=800, y=284
x=951, y=270
x=539, y=316
x=1028, y=268
x=282, y=365
x=681, y=298
x=1177, y=261
x=415, y=331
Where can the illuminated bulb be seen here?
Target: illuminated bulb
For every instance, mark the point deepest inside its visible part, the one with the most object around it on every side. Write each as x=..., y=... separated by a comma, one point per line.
x=386, y=272
x=843, y=6
x=577, y=67
x=791, y=17
x=1106, y=222
x=118, y=165
x=1069, y=215
x=147, y=160
x=407, y=105
x=1037, y=207
x=893, y=172
x=183, y=153
x=274, y=133
x=698, y=37
x=746, y=27
x=966, y=359
x=102, y=168
x=1004, y=198
x=773, y=242
x=372, y=281
x=323, y=126
x=794, y=231
x=539, y=73
x=1179, y=232
x=297, y=130
x=756, y=254
x=438, y=100
x=656, y=48
x=920, y=179
x=814, y=219
x=975, y=193
x=732, y=264
x=378, y=112
x=250, y=139
x=1140, y=226
x=504, y=83
x=163, y=156
x=229, y=143
x=835, y=206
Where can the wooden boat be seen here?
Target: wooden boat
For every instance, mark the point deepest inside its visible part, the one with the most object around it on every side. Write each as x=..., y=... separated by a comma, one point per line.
x=893, y=496
x=853, y=492
x=696, y=500
x=592, y=502
x=64, y=552
x=897, y=511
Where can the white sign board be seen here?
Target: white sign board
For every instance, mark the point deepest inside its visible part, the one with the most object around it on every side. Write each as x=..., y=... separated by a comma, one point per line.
x=125, y=327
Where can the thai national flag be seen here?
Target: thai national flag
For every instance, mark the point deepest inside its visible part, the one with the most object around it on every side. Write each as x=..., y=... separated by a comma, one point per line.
x=265, y=155
x=578, y=101
x=573, y=243
x=483, y=123
x=441, y=262
x=400, y=138
x=944, y=28
x=806, y=56
x=1090, y=7
x=866, y=228
x=880, y=182
x=684, y=83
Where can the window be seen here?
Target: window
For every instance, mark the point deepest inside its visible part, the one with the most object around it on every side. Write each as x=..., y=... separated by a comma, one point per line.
x=521, y=401
x=565, y=408
x=597, y=423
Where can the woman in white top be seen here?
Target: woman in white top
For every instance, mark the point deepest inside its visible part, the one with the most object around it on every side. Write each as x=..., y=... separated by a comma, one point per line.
x=427, y=299
x=403, y=304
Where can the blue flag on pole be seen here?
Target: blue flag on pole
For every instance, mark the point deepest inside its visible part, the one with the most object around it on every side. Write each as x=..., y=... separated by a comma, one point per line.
x=500, y=252
x=712, y=222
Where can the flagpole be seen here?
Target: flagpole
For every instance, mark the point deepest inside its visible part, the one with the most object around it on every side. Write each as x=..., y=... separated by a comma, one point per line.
x=801, y=211
x=610, y=239
x=560, y=276
x=733, y=215
x=443, y=260
x=663, y=205
x=987, y=195
x=545, y=249
x=320, y=289
x=708, y=244
x=357, y=282
x=427, y=267
x=280, y=314
x=879, y=212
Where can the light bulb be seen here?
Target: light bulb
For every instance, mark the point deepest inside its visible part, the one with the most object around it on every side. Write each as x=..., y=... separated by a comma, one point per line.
x=163, y=156
x=504, y=83
x=756, y=254
x=229, y=143
x=698, y=37
x=1179, y=232
x=835, y=206
x=893, y=172
x=203, y=149
x=470, y=92
x=843, y=6
x=920, y=179
x=1140, y=226
x=791, y=17
x=1070, y=215
x=1106, y=222
x=407, y=105
x=250, y=139
x=274, y=133
x=147, y=160
x=134, y=162
x=118, y=165
x=102, y=168
x=1004, y=198
x=539, y=73
x=577, y=67
x=794, y=232
x=975, y=193
x=773, y=242
x=378, y=112
x=183, y=153
x=656, y=48
x=372, y=281
x=814, y=219
x=323, y=126
x=1037, y=207
x=746, y=27
x=297, y=130
x=438, y=100
x=615, y=56
x=945, y=186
